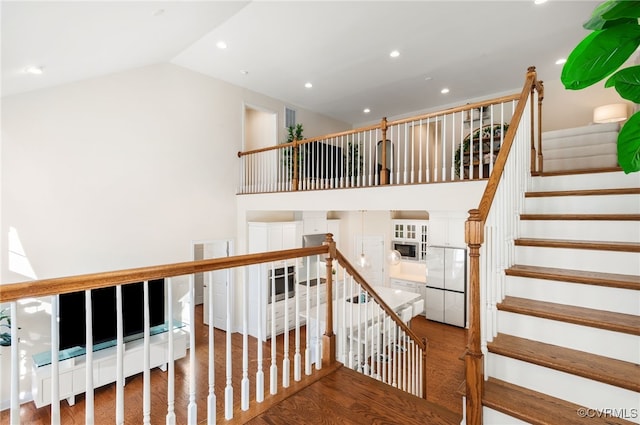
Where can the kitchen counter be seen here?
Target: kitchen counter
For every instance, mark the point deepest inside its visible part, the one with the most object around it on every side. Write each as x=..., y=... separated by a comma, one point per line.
x=411, y=277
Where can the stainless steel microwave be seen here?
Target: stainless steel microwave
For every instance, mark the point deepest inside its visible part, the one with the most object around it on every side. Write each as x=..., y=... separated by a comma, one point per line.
x=407, y=250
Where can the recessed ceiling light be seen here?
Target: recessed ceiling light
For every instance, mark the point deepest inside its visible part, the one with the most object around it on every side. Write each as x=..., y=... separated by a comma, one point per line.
x=539, y=1
x=428, y=78
x=444, y=90
x=244, y=72
x=394, y=54
x=366, y=110
x=560, y=61
x=308, y=85
x=221, y=45
x=34, y=70
x=158, y=12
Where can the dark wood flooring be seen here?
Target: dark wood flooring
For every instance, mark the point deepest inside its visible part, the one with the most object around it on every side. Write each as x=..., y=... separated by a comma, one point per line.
x=445, y=372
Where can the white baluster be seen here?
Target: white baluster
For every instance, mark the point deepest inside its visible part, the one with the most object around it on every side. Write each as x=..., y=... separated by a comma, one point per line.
x=244, y=388
x=259, y=346
x=15, y=369
x=192, y=409
x=89, y=399
x=171, y=415
x=146, y=374
x=228, y=390
x=211, y=397
x=55, y=376
x=307, y=350
x=285, y=360
x=273, y=371
x=119, y=358
x=318, y=327
x=297, y=357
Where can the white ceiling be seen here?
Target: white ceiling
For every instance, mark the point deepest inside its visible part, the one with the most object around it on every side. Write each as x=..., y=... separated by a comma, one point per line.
x=475, y=48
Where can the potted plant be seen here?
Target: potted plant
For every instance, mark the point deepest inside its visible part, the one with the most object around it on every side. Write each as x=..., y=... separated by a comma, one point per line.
x=5, y=322
x=614, y=38
x=293, y=133
x=486, y=133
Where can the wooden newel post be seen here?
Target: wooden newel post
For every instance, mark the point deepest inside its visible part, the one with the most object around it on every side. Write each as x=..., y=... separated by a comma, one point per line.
x=383, y=159
x=540, y=89
x=296, y=171
x=329, y=338
x=473, y=359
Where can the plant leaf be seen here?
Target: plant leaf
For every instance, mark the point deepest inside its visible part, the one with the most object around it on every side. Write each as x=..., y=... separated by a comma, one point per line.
x=629, y=145
x=627, y=83
x=599, y=54
x=611, y=13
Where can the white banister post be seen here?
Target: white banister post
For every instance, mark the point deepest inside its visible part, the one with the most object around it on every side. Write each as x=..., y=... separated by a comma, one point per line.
x=228, y=390
x=171, y=414
x=146, y=372
x=119, y=358
x=211, y=398
x=55, y=369
x=244, y=385
x=285, y=358
x=192, y=409
x=15, y=369
x=273, y=371
x=261, y=324
x=89, y=399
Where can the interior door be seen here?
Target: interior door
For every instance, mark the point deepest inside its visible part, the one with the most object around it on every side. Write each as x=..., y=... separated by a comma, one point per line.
x=219, y=281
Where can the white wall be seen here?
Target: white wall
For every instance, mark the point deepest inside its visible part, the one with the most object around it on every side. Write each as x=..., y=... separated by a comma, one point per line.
x=124, y=170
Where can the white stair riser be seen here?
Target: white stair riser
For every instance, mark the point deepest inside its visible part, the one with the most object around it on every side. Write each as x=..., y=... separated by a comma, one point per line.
x=490, y=416
x=583, y=230
x=575, y=389
x=616, y=345
x=625, y=301
x=609, y=204
x=579, y=259
x=586, y=181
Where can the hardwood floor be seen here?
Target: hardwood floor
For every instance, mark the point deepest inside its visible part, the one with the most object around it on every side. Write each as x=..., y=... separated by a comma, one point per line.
x=445, y=372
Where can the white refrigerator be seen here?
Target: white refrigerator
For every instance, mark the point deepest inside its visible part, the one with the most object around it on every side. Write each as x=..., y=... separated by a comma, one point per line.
x=446, y=285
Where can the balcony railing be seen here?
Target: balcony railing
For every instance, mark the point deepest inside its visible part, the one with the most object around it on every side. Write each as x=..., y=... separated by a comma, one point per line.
x=456, y=144
x=367, y=336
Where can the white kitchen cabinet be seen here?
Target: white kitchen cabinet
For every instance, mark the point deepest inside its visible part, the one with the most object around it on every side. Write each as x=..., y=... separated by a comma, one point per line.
x=413, y=231
x=447, y=228
x=274, y=236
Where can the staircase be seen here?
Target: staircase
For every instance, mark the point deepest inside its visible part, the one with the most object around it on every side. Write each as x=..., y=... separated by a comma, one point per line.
x=568, y=343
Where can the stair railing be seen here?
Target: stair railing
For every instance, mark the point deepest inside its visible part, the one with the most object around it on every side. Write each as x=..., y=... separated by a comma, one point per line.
x=490, y=232
x=273, y=365
x=455, y=144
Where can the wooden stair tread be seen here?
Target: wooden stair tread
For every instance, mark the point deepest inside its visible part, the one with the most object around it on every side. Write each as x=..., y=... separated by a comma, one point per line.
x=617, y=322
x=584, y=192
x=613, y=280
x=537, y=408
x=582, y=217
x=576, y=244
x=591, y=366
x=580, y=171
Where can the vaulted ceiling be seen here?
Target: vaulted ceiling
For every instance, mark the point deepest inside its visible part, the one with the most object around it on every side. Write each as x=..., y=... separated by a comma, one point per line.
x=473, y=48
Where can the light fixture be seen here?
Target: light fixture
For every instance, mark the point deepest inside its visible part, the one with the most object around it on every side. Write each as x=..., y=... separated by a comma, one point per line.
x=34, y=70
x=363, y=261
x=394, y=257
x=444, y=90
x=561, y=61
x=394, y=54
x=539, y=1
x=614, y=112
x=366, y=110
x=221, y=45
x=244, y=72
x=308, y=85
x=157, y=12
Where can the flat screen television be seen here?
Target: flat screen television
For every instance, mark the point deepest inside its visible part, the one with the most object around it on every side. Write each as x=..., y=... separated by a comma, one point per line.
x=71, y=313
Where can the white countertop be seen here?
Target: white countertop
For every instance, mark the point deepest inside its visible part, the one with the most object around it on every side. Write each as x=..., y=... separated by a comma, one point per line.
x=412, y=277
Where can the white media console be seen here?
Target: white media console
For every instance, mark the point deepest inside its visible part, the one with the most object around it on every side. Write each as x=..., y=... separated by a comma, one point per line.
x=72, y=371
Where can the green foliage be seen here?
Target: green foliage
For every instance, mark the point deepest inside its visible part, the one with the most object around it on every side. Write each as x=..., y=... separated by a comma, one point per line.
x=615, y=37
x=293, y=133
x=5, y=337
x=353, y=160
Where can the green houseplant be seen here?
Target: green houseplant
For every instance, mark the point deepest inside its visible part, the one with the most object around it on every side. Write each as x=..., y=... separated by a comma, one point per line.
x=614, y=38
x=293, y=133
x=487, y=132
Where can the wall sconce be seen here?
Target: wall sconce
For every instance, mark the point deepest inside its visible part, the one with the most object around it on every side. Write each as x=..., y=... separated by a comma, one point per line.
x=610, y=113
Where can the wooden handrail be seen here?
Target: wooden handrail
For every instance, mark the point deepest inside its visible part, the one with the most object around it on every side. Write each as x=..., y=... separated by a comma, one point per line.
x=474, y=237
x=64, y=285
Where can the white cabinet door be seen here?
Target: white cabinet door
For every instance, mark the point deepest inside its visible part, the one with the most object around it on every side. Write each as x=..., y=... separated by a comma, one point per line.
x=434, y=304
x=291, y=237
x=219, y=282
x=454, y=308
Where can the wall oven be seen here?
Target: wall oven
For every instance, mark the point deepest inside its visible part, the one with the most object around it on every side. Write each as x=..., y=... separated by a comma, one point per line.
x=407, y=250
x=281, y=283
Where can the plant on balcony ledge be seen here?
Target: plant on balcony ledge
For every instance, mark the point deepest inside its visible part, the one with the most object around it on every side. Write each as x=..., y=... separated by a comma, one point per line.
x=5, y=322
x=488, y=132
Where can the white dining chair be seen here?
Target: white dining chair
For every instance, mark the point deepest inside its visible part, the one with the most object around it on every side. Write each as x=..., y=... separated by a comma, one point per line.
x=418, y=307
x=368, y=340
